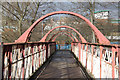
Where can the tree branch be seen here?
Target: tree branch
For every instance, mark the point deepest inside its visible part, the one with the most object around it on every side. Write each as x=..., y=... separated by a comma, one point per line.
x=10, y=12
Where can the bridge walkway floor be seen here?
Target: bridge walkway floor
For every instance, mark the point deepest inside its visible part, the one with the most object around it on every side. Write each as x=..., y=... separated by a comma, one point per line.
x=62, y=65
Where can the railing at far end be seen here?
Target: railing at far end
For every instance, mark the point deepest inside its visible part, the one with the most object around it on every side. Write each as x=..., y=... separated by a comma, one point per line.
x=21, y=60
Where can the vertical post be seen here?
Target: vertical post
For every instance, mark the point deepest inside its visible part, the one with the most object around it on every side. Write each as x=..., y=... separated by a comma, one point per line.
x=101, y=49
x=10, y=61
x=43, y=52
x=92, y=58
x=23, y=53
x=42, y=28
x=79, y=51
x=5, y=54
x=46, y=47
x=39, y=53
x=32, y=58
x=118, y=50
x=113, y=63
x=82, y=52
x=71, y=46
x=86, y=54
x=2, y=53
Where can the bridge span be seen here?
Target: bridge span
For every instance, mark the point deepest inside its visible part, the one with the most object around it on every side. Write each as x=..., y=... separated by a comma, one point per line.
x=43, y=60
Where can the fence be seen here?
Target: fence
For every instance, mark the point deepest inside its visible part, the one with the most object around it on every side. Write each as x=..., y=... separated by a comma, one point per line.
x=22, y=60
x=100, y=60
x=63, y=46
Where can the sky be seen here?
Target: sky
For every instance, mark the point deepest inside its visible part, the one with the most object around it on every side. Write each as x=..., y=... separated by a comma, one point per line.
x=76, y=7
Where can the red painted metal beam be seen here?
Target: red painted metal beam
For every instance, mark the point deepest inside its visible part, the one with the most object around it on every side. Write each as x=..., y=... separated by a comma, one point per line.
x=101, y=54
x=66, y=32
x=86, y=55
x=101, y=38
x=92, y=58
x=81, y=37
x=113, y=63
x=83, y=45
x=79, y=51
x=118, y=50
x=39, y=53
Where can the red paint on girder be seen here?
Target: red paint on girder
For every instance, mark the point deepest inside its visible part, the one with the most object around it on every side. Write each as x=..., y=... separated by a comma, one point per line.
x=81, y=37
x=79, y=51
x=113, y=63
x=118, y=50
x=66, y=32
x=24, y=37
x=101, y=52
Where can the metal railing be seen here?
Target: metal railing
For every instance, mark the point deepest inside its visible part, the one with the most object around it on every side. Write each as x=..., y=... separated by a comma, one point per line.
x=100, y=60
x=63, y=46
x=21, y=60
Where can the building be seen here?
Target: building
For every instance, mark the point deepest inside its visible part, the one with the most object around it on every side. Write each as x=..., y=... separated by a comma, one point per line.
x=103, y=17
x=103, y=14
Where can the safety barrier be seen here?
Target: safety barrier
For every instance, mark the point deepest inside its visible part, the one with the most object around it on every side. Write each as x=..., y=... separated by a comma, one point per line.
x=63, y=46
x=21, y=60
x=100, y=60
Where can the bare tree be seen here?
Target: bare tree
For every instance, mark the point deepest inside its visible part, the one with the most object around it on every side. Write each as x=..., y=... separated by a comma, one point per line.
x=17, y=14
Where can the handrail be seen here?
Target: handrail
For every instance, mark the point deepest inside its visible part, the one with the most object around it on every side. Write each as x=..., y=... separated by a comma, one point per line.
x=107, y=45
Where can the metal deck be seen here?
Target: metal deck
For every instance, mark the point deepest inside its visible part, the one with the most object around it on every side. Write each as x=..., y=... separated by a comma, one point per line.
x=62, y=65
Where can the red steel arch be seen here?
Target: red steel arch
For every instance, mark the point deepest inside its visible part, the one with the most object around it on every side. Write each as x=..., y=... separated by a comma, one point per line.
x=81, y=37
x=61, y=34
x=66, y=32
x=101, y=38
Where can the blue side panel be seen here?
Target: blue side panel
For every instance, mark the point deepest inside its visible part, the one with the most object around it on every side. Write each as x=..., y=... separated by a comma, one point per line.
x=57, y=46
x=63, y=47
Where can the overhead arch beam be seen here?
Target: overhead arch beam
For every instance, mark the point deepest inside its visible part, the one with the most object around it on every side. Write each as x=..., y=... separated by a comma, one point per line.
x=76, y=40
x=101, y=38
x=80, y=36
x=64, y=34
